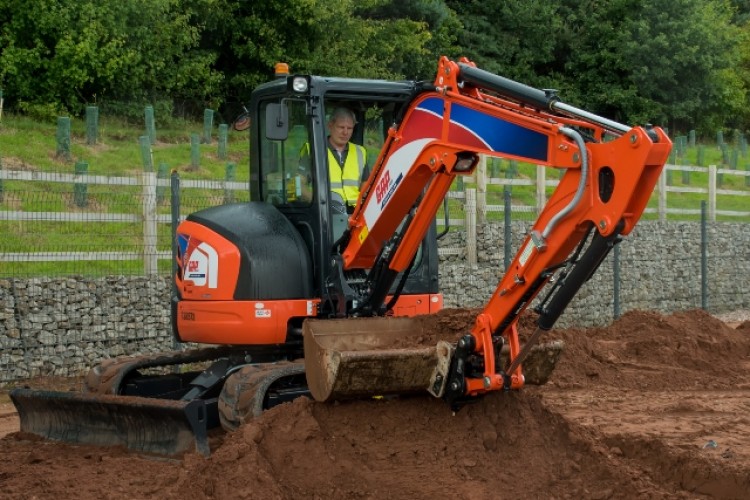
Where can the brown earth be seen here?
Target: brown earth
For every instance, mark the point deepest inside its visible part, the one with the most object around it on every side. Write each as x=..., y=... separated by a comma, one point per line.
x=651, y=407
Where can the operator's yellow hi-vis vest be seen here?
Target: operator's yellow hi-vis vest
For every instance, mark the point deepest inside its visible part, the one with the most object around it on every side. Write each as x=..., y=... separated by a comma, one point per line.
x=345, y=181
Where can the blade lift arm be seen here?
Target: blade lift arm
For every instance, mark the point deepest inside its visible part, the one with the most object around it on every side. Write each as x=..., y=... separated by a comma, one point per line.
x=605, y=186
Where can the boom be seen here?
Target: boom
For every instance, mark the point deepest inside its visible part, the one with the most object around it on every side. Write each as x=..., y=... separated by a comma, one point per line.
x=609, y=172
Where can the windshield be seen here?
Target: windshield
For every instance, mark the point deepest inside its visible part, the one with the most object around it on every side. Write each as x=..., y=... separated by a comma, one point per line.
x=285, y=179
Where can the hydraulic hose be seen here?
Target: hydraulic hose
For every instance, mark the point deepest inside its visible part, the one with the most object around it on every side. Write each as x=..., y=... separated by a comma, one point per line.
x=573, y=134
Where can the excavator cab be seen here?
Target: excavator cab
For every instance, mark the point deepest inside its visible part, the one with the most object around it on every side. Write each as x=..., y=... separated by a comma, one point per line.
x=289, y=170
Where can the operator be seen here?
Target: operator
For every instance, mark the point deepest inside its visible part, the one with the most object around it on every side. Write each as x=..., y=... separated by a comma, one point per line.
x=347, y=162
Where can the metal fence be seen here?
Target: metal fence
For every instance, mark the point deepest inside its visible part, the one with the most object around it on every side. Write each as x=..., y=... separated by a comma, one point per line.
x=56, y=224
x=85, y=260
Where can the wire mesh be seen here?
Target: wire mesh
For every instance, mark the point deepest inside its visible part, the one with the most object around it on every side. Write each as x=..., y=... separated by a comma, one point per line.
x=74, y=287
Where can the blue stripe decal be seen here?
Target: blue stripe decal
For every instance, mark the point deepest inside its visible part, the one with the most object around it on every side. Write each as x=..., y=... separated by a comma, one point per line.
x=491, y=132
x=500, y=135
x=432, y=104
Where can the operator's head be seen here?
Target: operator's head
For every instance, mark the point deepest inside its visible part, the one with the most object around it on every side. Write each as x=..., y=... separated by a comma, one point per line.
x=341, y=126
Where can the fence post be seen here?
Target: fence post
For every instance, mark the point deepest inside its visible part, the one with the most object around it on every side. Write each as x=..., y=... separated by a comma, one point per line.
x=146, y=153
x=223, y=132
x=691, y=138
x=482, y=189
x=92, y=125
x=507, y=233
x=80, y=189
x=1, y=104
x=63, y=137
x=663, y=194
x=174, y=187
x=704, y=257
x=1, y=179
x=208, y=125
x=150, y=257
x=150, y=124
x=541, y=194
x=470, y=210
x=712, y=193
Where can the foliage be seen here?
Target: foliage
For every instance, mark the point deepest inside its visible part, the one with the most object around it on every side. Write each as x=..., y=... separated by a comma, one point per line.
x=680, y=63
x=84, y=51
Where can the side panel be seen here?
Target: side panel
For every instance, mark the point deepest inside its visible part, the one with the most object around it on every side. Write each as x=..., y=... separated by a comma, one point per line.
x=417, y=305
x=239, y=322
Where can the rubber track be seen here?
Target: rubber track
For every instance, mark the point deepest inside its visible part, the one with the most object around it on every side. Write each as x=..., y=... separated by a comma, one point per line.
x=243, y=395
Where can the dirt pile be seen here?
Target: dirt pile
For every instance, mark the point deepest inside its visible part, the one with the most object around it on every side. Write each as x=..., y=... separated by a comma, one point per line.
x=646, y=350
x=651, y=407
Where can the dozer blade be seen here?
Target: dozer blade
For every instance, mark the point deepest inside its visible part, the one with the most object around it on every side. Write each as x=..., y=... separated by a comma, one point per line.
x=158, y=426
x=348, y=358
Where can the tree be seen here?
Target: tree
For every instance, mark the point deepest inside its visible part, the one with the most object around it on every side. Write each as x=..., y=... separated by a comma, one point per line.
x=74, y=52
x=366, y=38
x=515, y=38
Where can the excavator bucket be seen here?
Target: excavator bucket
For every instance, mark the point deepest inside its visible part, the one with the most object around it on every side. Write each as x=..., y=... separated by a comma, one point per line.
x=349, y=358
x=163, y=427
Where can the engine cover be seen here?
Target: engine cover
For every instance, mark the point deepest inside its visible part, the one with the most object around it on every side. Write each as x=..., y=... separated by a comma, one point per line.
x=274, y=262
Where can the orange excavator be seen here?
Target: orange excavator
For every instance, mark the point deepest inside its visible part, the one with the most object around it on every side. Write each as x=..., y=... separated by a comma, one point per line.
x=298, y=297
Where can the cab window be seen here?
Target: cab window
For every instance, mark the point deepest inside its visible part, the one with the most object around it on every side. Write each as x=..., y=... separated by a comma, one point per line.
x=286, y=176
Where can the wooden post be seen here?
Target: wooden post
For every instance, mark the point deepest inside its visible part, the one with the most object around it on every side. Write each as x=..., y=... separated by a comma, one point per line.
x=541, y=194
x=150, y=261
x=482, y=189
x=663, y=194
x=470, y=210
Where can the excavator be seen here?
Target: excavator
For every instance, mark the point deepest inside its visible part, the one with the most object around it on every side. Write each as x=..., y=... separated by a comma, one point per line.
x=291, y=295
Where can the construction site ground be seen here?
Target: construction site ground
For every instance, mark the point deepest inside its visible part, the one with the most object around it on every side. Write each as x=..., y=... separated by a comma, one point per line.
x=652, y=406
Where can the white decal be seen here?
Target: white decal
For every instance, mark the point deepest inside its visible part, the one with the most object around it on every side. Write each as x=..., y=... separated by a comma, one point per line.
x=524, y=257
x=393, y=173
x=203, y=266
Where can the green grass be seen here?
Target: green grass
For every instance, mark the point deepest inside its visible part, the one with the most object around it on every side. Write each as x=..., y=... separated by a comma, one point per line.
x=31, y=145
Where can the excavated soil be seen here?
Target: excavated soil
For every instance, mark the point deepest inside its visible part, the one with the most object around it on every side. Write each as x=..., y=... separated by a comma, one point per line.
x=651, y=407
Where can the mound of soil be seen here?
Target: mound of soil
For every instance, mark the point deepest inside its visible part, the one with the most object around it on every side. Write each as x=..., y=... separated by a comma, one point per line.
x=651, y=407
